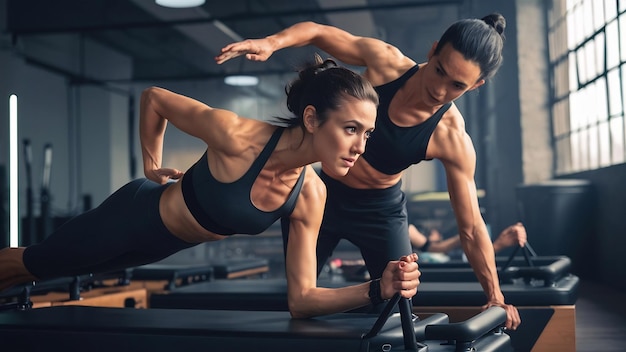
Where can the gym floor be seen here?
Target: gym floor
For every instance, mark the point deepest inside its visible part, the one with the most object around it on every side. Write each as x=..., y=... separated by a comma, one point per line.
x=600, y=318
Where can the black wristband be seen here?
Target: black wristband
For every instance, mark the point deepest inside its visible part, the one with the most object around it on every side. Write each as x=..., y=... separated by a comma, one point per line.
x=374, y=293
x=426, y=246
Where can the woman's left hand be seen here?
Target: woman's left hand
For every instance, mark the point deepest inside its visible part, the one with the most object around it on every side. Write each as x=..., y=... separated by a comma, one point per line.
x=163, y=175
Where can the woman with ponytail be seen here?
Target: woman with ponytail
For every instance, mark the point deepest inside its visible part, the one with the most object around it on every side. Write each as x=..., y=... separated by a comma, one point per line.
x=252, y=174
x=417, y=120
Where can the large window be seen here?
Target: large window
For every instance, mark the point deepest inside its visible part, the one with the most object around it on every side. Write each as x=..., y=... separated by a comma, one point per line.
x=587, y=41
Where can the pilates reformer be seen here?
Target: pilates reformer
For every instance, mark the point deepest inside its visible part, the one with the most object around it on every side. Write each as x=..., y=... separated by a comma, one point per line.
x=80, y=289
x=131, y=287
x=541, y=287
x=544, y=293
x=71, y=327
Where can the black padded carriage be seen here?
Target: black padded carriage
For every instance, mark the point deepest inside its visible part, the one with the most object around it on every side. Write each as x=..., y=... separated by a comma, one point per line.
x=106, y=329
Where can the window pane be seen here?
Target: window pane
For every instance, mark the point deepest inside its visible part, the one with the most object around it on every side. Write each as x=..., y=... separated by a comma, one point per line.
x=617, y=139
x=587, y=23
x=590, y=104
x=589, y=87
x=573, y=72
x=601, y=112
x=590, y=58
x=584, y=106
x=622, y=36
x=599, y=49
x=598, y=14
x=604, y=144
x=571, y=30
x=574, y=152
x=612, y=45
x=623, y=84
x=611, y=9
x=592, y=148
x=581, y=66
x=615, y=95
x=571, y=4
x=576, y=109
x=579, y=35
x=575, y=145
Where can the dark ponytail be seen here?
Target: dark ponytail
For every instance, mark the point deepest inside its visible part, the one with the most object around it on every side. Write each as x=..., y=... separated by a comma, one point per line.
x=324, y=85
x=479, y=40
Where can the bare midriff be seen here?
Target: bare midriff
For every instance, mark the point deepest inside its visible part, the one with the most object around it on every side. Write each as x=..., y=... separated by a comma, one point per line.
x=363, y=176
x=178, y=219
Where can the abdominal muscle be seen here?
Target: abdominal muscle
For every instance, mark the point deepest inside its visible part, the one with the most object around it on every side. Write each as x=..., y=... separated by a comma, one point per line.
x=178, y=219
x=364, y=176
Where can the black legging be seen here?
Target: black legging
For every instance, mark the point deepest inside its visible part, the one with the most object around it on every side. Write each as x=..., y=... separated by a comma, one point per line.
x=375, y=220
x=126, y=230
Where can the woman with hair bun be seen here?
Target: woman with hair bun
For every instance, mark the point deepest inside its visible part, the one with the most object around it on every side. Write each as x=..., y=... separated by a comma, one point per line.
x=252, y=174
x=417, y=120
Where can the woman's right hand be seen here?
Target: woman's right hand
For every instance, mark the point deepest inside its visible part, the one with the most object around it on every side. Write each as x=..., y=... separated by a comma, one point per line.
x=400, y=276
x=254, y=49
x=163, y=175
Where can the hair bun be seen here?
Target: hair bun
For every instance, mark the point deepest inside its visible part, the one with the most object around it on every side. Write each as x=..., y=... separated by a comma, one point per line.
x=496, y=21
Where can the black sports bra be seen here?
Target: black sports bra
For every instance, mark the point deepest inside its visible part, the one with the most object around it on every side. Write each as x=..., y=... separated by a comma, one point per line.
x=391, y=148
x=226, y=208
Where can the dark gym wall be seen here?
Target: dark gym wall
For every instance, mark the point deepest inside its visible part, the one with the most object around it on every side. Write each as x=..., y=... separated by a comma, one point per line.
x=4, y=209
x=604, y=257
x=493, y=121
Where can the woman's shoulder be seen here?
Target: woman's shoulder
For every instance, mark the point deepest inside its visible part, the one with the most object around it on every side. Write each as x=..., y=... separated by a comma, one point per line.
x=449, y=136
x=313, y=188
x=242, y=134
x=312, y=197
x=388, y=67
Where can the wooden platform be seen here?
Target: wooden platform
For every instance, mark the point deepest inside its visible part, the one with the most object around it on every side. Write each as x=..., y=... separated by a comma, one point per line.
x=120, y=297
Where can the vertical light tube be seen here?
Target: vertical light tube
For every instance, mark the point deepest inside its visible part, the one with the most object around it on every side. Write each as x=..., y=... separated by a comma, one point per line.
x=13, y=168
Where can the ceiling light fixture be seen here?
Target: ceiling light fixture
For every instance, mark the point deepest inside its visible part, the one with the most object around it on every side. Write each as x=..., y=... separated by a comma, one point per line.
x=241, y=80
x=179, y=4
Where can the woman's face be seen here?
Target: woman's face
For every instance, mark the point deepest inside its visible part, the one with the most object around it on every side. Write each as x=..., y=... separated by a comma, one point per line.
x=341, y=139
x=448, y=76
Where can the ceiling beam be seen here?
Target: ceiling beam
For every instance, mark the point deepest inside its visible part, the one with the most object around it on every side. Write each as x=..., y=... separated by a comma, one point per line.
x=243, y=16
x=359, y=23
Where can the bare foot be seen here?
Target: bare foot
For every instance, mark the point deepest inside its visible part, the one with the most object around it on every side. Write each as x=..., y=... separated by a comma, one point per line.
x=12, y=270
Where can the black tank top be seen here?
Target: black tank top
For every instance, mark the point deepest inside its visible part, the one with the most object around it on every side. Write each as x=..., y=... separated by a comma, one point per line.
x=226, y=208
x=391, y=148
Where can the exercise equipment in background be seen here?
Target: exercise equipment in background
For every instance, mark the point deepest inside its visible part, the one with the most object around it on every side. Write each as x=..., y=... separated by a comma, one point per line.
x=85, y=290
x=36, y=228
x=4, y=211
x=131, y=287
x=29, y=235
x=46, y=214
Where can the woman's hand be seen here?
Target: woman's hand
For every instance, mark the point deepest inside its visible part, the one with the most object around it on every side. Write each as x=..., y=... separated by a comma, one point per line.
x=163, y=175
x=511, y=236
x=254, y=49
x=400, y=276
x=513, y=319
